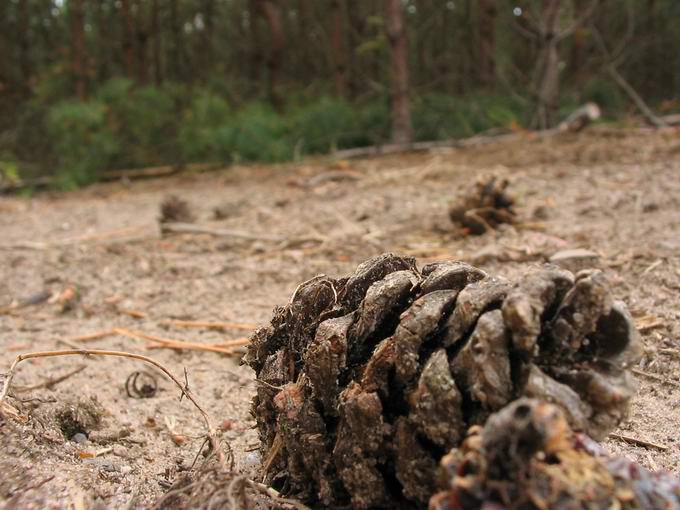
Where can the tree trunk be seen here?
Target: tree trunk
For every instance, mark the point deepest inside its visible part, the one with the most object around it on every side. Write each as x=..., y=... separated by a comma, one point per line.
x=24, y=47
x=255, y=41
x=208, y=11
x=103, y=29
x=355, y=33
x=142, y=39
x=177, y=51
x=156, y=31
x=547, y=75
x=270, y=11
x=4, y=53
x=128, y=39
x=488, y=11
x=402, y=131
x=77, y=19
x=337, y=47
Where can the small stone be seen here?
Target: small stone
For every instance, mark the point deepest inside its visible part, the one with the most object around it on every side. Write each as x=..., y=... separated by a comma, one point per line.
x=252, y=461
x=121, y=451
x=576, y=260
x=79, y=438
x=108, y=466
x=124, y=470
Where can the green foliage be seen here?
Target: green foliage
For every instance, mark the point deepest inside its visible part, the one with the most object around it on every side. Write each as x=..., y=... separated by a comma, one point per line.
x=439, y=116
x=201, y=122
x=373, y=123
x=142, y=119
x=606, y=94
x=9, y=169
x=82, y=141
x=256, y=133
x=323, y=125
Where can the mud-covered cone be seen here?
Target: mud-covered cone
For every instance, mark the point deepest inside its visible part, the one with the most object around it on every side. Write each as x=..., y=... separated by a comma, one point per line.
x=365, y=382
x=526, y=457
x=483, y=206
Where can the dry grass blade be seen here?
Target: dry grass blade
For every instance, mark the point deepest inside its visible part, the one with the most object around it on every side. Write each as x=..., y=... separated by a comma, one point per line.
x=210, y=325
x=51, y=382
x=93, y=336
x=158, y=342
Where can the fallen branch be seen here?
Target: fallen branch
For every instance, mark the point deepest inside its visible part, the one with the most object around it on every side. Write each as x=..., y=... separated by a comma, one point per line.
x=211, y=430
x=610, y=67
x=575, y=122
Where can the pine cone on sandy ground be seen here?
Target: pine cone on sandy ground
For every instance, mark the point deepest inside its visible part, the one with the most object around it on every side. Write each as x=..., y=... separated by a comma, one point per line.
x=175, y=209
x=367, y=381
x=483, y=206
x=527, y=457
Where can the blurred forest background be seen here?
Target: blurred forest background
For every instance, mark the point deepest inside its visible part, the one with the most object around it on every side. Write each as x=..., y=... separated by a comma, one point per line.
x=88, y=86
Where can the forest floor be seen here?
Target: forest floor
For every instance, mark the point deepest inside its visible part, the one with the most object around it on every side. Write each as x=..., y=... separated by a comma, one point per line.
x=616, y=192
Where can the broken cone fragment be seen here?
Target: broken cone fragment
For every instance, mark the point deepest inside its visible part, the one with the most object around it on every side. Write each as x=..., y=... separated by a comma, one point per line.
x=526, y=457
x=368, y=381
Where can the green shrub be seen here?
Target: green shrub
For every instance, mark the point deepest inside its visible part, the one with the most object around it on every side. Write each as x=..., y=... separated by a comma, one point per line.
x=606, y=95
x=323, y=125
x=82, y=142
x=9, y=169
x=256, y=133
x=144, y=121
x=201, y=122
x=373, y=124
x=440, y=116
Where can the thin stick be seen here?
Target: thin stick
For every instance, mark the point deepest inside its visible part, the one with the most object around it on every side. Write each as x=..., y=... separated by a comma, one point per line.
x=212, y=432
x=638, y=442
x=51, y=382
x=274, y=494
x=210, y=325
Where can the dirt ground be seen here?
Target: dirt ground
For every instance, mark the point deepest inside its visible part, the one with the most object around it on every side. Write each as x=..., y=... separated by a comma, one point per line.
x=613, y=191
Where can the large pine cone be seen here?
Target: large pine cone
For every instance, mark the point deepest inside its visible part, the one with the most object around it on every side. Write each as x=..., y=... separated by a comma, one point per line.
x=367, y=381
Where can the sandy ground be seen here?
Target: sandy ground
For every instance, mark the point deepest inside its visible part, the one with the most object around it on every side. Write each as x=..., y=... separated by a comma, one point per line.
x=612, y=191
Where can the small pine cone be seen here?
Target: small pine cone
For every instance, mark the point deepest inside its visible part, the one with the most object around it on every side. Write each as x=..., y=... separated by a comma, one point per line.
x=483, y=206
